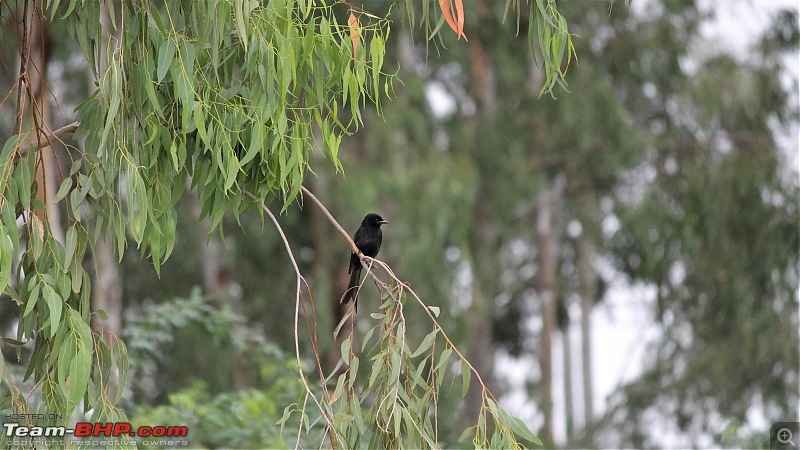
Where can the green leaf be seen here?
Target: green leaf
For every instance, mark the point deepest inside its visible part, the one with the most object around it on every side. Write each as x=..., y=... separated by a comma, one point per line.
x=467, y=433
x=416, y=377
x=187, y=57
x=33, y=297
x=77, y=277
x=435, y=310
x=120, y=354
x=5, y=259
x=355, y=408
x=150, y=89
x=70, y=245
x=38, y=356
x=112, y=88
x=366, y=338
x=377, y=51
x=6, y=402
x=346, y=350
x=256, y=142
x=341, y=324
x=9, y=149
x=238, y=12
x=426, y=343
x=75, y=203
x=166, y=53
x=10, y=223
x=466, y=373
x=445, y=356
x=54, y=304
x=397, y=422
x=287, y=413
x=395, y=367
x=103, y=358
x=377, y=370
x=66, y=185
x=200, y=122
x=81, y=363
x=519, y=427
x=173, y=152
x=23, y=178
x=353, y=371
x=231, y=172
x=76, y=166
x=70, y=8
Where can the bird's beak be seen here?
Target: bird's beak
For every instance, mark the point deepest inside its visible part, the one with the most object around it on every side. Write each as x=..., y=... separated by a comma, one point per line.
x=383, y=222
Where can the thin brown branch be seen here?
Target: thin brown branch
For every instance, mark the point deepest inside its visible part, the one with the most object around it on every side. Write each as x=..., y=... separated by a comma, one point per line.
x=45, y=140
x=298, y=301
x=23, y=66
x=332, y=220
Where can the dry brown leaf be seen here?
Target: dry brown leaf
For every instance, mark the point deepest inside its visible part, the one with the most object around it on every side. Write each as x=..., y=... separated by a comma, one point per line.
x=354, y=33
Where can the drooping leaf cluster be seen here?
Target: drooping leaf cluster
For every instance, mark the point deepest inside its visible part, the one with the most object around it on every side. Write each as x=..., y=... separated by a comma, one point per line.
x=227, y=94
x=223, y=93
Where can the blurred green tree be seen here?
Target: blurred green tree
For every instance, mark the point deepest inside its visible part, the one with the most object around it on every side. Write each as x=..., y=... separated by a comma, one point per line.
x=715, y=230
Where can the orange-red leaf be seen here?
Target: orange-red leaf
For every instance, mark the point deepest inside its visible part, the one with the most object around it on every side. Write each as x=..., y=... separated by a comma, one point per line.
x=460, y=19
x=354, y=32
x=456, y=23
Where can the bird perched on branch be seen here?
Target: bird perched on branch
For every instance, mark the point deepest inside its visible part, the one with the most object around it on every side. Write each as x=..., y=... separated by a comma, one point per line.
x=368, y=239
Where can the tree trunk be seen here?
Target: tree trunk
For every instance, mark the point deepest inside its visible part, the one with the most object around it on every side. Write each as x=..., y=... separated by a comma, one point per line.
x=34, y=112
x=587, y=292
x=546, y=288
x=107, y=293
x=107, y=288
x=568, y=399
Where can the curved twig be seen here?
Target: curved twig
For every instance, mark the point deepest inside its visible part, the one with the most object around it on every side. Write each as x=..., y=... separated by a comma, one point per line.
x=298, y=300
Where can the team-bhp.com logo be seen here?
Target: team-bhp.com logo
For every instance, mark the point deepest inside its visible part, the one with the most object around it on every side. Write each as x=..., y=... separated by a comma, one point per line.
x=87, y=430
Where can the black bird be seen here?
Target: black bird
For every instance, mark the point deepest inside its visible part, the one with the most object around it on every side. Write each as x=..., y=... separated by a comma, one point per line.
x=368, y=239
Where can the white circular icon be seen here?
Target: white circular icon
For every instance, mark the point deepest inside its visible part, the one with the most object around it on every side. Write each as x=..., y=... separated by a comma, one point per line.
x=784, y=436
